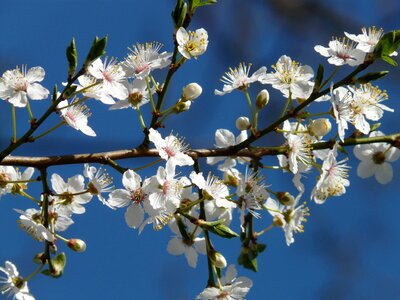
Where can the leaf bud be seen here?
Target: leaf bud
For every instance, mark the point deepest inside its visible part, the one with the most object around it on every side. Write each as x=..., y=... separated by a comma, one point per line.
x=262, y=99
x=242, y=123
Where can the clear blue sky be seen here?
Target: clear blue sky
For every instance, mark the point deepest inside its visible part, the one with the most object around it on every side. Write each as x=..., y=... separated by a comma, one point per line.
x=350, y=246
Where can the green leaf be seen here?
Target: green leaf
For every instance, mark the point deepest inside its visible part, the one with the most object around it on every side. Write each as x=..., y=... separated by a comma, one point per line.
x=182, y=229
x=219, y=229
x=179, y=13
x=199, y=3
x=371, y=77
x=69, y=91
x=58, y=265
x=389, y=43
x=375, y=127
x=248, y=256
x=72, y=57
x=55, y=91
x=96, y=50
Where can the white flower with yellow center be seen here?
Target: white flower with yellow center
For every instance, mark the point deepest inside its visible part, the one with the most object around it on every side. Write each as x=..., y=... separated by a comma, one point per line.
x=192, y=43
x=31, y=221
x=17, y=85
x=291, y=78
x=138, y=95
x=341, y=52
x=341, y=99
x=366, y=105
x=99, y=182
x=238, y=78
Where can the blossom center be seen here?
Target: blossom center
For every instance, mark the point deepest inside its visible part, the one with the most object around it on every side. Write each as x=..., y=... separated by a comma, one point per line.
x=138, y=195
x=3, y=180
x=18, y=282
x=67, y=198
x=135, y=98
x=378, y=158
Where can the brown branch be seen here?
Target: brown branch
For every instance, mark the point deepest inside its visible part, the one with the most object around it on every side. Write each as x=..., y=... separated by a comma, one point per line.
x=255, y=152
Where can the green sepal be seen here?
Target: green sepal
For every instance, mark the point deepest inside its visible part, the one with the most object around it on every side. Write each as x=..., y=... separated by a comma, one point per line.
x=96, y=50
x=179, y=13
x=248, y=256
x=371, y=77
x=72, y=57
x=319, y=77
x=375, y=127
x=58, y=265
x=219, y=229
x=389, y=43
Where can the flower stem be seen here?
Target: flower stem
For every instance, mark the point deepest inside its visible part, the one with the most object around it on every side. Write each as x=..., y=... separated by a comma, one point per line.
x=34, y=273
x=253, y=118
x=147, y=165
x=14, y=122
x=265, y=230
x=48, y=131
x=28, y=106
x=22, y=193
x=330, y=77
x=153, y=107
x=140, y=117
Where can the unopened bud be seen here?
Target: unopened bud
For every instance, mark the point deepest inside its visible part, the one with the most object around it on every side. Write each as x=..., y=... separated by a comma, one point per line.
x=76, y=245
x=191, y=91
x=217, y=259
x=53, y=248
x=320, y=127
x=242, y=123
x=262, y=99
x=181, y=106
x=285, y=198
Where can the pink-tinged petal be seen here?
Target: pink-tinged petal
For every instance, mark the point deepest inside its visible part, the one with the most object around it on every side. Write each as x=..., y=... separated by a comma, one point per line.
x=37, y=92
x=191, y=256
x=384, y=173
x=119, y=198
x=131, y=180
x=175, y=247
x=224, y=138
x=134, y=215
x=35, y=74
x=366, y=169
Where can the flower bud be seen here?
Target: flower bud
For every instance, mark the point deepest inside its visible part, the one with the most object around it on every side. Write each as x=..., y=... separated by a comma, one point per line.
x=76, y=245
x=262, y=99
x=242, y=123
x=181, y=106
x=217, y=259
x=285, y=198
x=40, y=258
x=53, y=248
x=191, y=91
x=320, y=127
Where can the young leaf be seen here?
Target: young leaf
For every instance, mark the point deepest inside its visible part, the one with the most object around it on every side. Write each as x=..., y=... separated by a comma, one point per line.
x=72, y=57
x=96, y=50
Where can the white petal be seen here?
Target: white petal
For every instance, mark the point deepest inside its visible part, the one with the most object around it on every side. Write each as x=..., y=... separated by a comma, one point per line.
x=366, y=169
x=37, y=92
x=35, y=74
x=119, y=198
x=224, y=138
x=384, y=173
x=134, y=215
x=191, y=256
x=175, y=247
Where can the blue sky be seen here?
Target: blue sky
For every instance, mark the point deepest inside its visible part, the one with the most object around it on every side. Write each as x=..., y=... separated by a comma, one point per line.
x=350, y=246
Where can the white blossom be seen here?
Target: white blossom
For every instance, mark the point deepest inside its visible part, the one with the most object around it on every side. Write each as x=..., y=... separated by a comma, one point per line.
x=291, y=78
x=341, y=52
x=144, y=58
x=76, y=116
x=375, y=159
x=31, y=221
x=238, y=78
x=17, y=85
x=99, y=182
x=192, y=43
